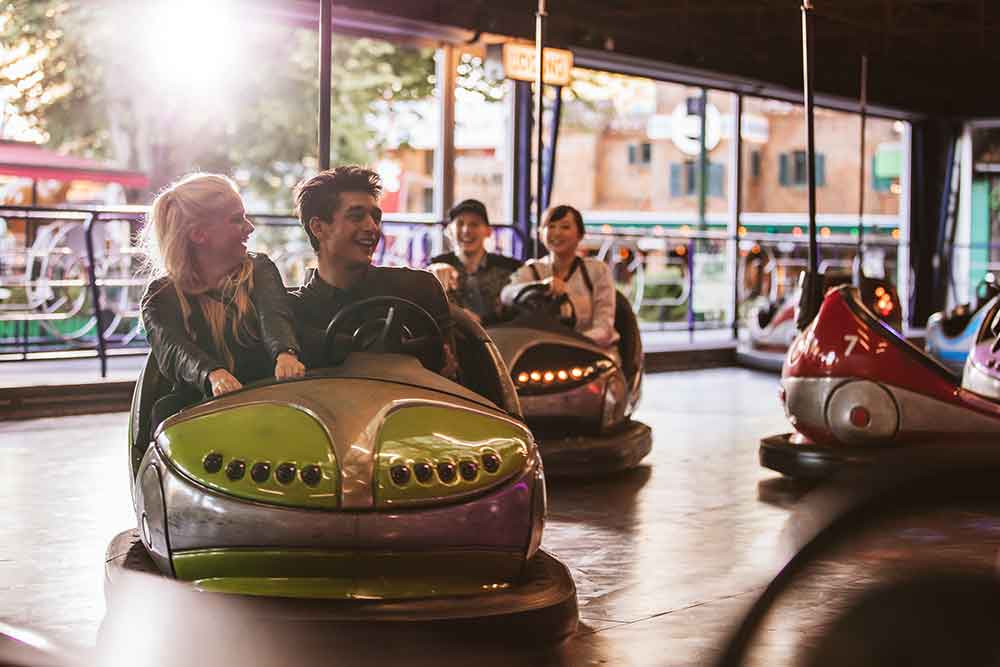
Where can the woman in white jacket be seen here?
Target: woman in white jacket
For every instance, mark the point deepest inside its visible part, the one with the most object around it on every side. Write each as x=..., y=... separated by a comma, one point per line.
x=586, y=281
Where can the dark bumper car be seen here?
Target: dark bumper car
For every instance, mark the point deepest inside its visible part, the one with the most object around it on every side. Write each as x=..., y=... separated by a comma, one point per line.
x=577, y=397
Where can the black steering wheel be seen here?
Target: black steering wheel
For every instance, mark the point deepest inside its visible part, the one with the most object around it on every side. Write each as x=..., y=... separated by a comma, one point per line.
x=986, y=289
x=535, y=298
x=385, y=324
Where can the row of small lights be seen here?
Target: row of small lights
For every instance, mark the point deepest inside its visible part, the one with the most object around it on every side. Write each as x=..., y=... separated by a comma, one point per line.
x=446, y=470
x=548, y=377
x=260, y=472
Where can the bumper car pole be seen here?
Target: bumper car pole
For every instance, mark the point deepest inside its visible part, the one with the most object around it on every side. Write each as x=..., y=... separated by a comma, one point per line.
x=540, y=17
x=861, y=173
x=325, y=72
x=812, y=283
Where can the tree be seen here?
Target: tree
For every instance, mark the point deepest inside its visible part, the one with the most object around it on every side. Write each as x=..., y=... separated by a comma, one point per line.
x=94, y=80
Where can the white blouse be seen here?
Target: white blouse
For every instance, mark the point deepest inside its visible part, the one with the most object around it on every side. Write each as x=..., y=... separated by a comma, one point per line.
x=595, y=311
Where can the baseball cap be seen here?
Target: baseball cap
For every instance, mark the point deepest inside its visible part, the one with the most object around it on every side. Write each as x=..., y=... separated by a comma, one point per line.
x=469, y=206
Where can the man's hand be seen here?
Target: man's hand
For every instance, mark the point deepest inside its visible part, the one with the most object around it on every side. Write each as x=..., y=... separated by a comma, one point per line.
x=557, y=286
x=223, y=382
x=446, y=274
x=288, y=366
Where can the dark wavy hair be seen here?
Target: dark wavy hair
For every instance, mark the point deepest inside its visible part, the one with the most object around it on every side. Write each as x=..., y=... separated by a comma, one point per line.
x=319, y=196
x=560, y=212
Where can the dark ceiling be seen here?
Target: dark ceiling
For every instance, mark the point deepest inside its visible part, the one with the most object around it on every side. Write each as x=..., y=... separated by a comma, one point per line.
x=926, y=56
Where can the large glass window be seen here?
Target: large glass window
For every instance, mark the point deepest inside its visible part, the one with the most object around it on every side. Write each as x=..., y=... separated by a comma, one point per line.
x=775, y=195
x=482, y=131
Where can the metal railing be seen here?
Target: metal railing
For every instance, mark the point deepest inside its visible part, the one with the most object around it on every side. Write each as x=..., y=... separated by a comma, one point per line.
x=71, y=279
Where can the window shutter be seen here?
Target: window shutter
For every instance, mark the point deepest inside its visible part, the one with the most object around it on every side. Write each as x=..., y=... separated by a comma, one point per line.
x=631, y=154
x=675, y=180
x=820, y=170
x=716, y=174
x=783, y=169
x=690, y=177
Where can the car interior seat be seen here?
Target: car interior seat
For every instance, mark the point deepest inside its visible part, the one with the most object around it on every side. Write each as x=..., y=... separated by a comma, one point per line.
x=481, y=367
x=149, y=388
x=629, y=342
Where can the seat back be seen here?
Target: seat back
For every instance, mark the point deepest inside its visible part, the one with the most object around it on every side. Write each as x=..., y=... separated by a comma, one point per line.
x=149, y=388
x=482, y=368
x=630, y=341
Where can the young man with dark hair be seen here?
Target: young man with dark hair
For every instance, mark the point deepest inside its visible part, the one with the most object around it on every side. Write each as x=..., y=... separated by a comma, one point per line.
x=471, y=276
x=338, y=209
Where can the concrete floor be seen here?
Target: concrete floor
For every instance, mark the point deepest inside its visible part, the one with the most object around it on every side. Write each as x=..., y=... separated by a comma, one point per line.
x=665, y=557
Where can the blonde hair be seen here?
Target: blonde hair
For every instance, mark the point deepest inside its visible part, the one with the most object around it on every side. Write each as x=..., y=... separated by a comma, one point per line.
x=198, y=199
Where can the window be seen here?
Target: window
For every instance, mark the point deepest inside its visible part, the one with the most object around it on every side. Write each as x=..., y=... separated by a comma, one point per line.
x=755, y=164
x=792, y=169
x=684, y=179
x=640, y=153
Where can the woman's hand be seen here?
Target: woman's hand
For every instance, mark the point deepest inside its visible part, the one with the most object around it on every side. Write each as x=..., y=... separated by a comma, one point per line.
x=223, y=382
x=288, y=366
x=557, y=286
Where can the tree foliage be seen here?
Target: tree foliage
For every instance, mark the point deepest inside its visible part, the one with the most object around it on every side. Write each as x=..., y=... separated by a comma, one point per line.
x=85, y=76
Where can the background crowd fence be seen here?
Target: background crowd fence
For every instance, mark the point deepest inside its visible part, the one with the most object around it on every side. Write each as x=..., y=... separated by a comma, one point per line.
x=71, y=279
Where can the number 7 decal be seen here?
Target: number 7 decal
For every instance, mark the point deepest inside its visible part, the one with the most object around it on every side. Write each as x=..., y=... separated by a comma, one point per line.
x=851, y=342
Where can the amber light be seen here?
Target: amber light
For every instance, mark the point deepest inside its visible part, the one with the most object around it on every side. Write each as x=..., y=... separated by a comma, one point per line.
x=556, y=375
x=884, y=304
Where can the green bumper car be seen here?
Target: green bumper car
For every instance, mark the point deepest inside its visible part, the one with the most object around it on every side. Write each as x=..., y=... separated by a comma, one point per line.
x=372, y=490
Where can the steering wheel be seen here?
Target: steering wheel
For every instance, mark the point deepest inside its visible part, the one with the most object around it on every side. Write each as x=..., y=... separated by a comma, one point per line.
x=385, y=324
x=986, y=289
x=535, y=298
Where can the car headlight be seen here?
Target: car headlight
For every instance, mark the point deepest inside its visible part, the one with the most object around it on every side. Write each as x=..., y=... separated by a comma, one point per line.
x=548, y=368
x=429, y=453
x=270, y=453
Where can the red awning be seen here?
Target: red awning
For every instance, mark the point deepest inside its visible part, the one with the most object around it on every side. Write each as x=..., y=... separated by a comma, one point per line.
x=26, y=160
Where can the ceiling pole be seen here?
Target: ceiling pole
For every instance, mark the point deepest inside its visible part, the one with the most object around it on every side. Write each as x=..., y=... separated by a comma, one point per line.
x=325, y=71
x=861, y=170
x=540, y=16
x=812, y=286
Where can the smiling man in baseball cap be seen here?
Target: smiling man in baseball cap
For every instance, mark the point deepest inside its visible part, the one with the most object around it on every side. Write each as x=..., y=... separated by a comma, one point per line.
x=471, y=276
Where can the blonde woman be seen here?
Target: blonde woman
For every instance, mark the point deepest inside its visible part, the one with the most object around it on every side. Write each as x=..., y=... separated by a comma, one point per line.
x=586, y=281
x=216, y=316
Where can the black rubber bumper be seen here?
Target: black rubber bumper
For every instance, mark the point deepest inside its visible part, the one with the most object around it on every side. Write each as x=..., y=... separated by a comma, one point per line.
x=761, y=360
x=595, y=455
x=539, y=607
x=779, y=453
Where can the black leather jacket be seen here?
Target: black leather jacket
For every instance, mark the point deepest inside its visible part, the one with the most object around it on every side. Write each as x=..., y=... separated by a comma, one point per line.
x=186, y=360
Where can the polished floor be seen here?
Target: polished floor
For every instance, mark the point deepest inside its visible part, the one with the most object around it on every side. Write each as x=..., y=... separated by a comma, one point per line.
x=665, y=557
